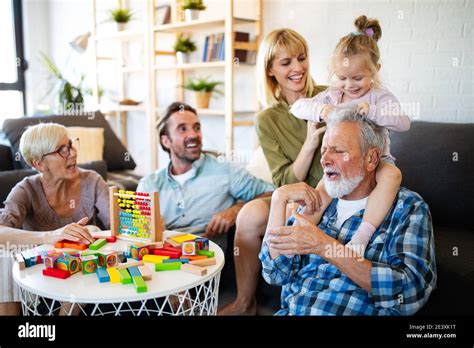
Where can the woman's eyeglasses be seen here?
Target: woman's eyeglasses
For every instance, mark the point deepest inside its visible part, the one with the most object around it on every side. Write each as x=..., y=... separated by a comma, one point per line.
x=65, y=150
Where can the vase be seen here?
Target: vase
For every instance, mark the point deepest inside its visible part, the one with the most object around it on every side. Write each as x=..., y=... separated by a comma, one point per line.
x=191, y=15
x=202, y=99
x=121, y=26
x=182, y=58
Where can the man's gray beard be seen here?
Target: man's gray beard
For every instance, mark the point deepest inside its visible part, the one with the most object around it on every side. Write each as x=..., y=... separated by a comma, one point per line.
x=342, y=187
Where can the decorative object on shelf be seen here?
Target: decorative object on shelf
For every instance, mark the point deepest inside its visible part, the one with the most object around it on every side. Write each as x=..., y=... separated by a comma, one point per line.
x=79, y=44
x=191, y=9
x=214, y=47
x=71, y=97
x=203, y=89
x=121, y=16
x=163, y=14
x=129, y=102
x=183, y=47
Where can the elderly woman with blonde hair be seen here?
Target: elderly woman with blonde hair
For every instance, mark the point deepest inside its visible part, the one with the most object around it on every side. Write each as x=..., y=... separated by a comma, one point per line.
x=52, y=205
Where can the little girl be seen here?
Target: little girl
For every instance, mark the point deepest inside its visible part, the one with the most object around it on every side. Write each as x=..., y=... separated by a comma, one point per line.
x=355, y=65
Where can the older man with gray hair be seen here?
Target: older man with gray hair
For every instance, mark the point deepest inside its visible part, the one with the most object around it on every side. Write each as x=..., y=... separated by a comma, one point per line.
x=318, y=273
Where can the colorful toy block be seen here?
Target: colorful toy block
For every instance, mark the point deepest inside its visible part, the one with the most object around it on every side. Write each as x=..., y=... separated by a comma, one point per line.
x=134, y=271
x=200, y=271
x=176, y=260
x=125, y=277
x=130, y=264
x=196, y=257
x=56, y=273
x=170, y=266
x=90, y=264
x=108, y=258
x=114, y=275
x=188, y=248
x=99, y=243
x=154, y=258
x=51, y=261
x=202, y=243
x=68, y=263
x=207, y=253
x=103, y=275
x=204, y=262
x=172, y=243
x=139, y=284
x=108, y=239
x=21, y=261
x=164, y=252
x=145, y=272
x=183, y=238
x=137, y=251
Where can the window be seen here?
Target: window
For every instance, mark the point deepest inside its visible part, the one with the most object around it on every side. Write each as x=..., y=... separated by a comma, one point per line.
x=12, y=62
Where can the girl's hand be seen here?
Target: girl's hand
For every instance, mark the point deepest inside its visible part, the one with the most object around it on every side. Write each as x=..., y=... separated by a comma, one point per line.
x=312, y=134
x=301, y=193
x=76, y=232
x=327, y=109
x=363, y=108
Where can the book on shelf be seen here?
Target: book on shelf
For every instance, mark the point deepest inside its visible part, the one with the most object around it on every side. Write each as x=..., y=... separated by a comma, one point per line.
x=214, y=47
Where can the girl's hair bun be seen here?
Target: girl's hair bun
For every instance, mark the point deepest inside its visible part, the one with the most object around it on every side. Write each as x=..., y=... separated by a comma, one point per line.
x=362, y=23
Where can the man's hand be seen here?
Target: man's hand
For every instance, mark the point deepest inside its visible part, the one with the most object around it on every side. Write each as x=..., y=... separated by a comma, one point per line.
x=222, y=221
x=306, y=238
x=363, y=108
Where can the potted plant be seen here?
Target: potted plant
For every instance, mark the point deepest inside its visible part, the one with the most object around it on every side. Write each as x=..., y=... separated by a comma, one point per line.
x=121, y=16
x=183, y=47
x=191, y=9
x=203, y=89
x=70, y=97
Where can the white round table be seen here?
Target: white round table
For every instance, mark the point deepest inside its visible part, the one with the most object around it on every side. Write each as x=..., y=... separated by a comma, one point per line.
x=168, y=293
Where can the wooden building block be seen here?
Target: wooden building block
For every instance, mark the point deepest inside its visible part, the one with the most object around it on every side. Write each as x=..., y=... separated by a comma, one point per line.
x=145, y=272
x=130, y=264
x=196, y=257
x=204, y=262
x=170, y=266
x=74, y=245
x=125, y=277
x=21, y=261
x=114, y=275
x=173, y=243
x=99, y=243
x=134, y=272
x=103, y=275
x=108, y=239
x=200, y=271
x=154, y=258
x=56, y=273
x=208, y=253
x=139, y=284
x=163, y=252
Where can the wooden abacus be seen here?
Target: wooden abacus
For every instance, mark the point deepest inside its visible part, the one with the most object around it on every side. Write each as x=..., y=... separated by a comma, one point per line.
x=135, y=216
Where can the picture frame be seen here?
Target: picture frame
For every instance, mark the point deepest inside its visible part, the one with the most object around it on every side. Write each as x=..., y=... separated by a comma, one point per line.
x=163, y=14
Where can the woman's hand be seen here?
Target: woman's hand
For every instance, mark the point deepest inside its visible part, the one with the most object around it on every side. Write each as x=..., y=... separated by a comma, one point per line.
x=312, y=135
x=76, y=232
x=301, y=193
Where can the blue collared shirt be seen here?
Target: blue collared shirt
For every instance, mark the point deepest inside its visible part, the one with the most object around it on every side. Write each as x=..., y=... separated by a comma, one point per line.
x=214, y=187
x=403, y=266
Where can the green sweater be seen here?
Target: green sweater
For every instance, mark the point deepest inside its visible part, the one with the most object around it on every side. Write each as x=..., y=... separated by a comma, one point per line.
x=281, y=136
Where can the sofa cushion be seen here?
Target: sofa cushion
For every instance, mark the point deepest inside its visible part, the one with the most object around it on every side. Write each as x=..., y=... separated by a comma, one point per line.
x=115, y=154
x=6, y=162
x=436, y=160
x=91, y=140
x=10, y=178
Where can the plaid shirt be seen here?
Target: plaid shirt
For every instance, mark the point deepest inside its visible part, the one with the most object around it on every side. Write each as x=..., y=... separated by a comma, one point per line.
x=403, y=266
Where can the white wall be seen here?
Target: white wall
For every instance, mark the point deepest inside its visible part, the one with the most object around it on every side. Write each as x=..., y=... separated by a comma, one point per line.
x=426, y=46
x=426, y=50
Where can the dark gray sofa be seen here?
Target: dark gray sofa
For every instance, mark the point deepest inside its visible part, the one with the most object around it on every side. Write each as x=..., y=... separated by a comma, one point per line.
x=115, y=168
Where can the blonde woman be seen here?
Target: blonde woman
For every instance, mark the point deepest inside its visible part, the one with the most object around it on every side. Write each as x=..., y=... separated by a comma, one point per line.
x=50, y=206
x=291, y=147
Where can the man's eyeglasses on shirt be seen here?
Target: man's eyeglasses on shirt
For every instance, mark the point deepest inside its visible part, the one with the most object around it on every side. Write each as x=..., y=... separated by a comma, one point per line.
x=65, y=150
